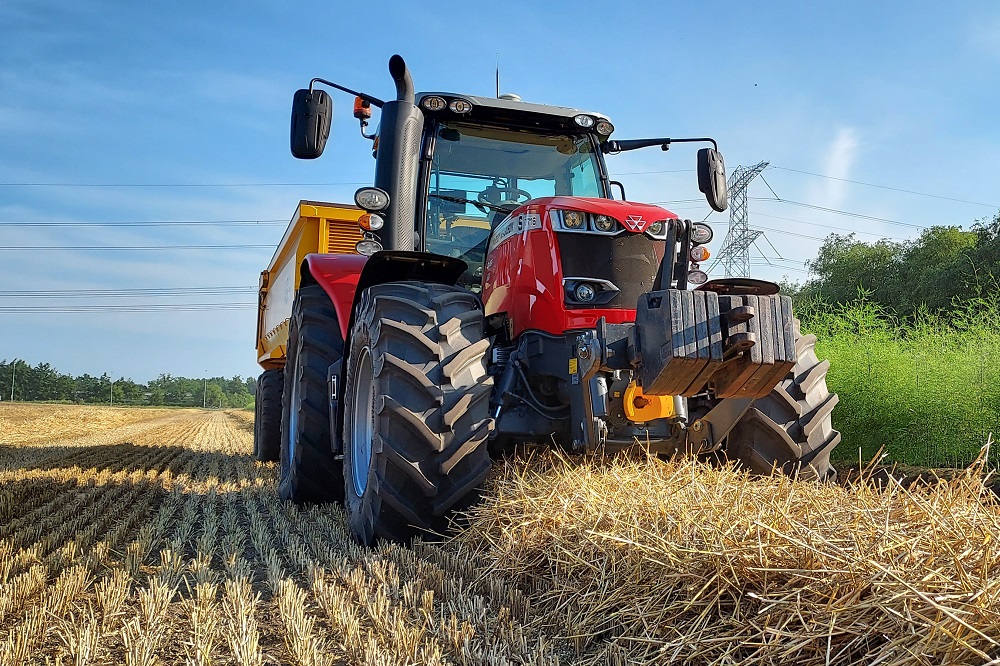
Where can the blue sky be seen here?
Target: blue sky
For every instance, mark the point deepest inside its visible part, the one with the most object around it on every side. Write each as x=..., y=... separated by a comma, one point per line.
x=150, y=96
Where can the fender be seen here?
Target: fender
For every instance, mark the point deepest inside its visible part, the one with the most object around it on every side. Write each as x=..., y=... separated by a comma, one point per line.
x=338, y=274
x=345, y=276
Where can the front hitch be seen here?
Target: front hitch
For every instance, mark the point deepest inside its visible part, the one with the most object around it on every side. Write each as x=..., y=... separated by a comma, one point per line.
x=734, y=346
x=604, y=349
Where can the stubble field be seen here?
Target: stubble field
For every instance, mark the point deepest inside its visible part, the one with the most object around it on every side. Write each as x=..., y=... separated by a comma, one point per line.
x=152, y=536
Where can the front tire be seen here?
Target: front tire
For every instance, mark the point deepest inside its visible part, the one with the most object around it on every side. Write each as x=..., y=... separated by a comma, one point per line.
x=267, y=416
x=791, y=429
x=308, y=470
x=416, y=412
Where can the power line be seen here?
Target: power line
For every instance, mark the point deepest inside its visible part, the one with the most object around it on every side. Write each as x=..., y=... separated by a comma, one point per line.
x=780, y=268
x=642, y=173
x=128, y=293
x=808, y=223
x=887, y=187
x=780, y=259
x=846, y=180
x=676, y=201
x=787, y=233
x=144, y=307
x=824, y=226
x=130, y=248
x=860, y=216
x=180, y=184
x=150, y=223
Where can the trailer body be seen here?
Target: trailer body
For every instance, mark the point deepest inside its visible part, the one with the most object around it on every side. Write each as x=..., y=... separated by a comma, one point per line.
x=315, y=228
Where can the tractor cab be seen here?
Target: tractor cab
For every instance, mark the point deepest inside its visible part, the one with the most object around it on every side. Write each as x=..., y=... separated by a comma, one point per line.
x=485, y=157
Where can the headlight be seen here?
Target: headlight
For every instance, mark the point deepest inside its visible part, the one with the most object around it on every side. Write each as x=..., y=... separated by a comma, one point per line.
x=460, y=106
x=583, y=120
x=371, y=199
x=584, y=223
x=657, y=230
x=368, y=246
x=588, y=292
x=604, y=128
x=604, y=223
x=573, y=219
x=697, y=277
x=433, y=103
x=584, y=292
x=701, y=233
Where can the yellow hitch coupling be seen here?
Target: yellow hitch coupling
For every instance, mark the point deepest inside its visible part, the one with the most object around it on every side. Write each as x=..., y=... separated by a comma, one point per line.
x=640, y=408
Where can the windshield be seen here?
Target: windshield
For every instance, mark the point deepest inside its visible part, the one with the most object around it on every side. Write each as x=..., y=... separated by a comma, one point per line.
x=480, y=174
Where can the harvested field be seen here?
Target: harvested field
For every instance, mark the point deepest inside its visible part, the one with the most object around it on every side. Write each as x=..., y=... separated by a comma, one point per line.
x=162, y=541
x=25, y=423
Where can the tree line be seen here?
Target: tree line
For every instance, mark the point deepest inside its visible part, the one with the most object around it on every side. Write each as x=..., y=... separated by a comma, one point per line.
x=42, y=382
x=945, y=270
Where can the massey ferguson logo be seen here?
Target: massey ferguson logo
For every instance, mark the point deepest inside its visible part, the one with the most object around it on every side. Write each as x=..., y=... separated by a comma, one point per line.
x=634, y=222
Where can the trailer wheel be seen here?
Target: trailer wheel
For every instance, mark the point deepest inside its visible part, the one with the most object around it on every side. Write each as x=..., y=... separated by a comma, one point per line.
x=308, y=470
x=791, y=428
x=416, y=411
x=267, y=416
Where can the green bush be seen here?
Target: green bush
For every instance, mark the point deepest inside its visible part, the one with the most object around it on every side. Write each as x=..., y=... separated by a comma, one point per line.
x=926, y=390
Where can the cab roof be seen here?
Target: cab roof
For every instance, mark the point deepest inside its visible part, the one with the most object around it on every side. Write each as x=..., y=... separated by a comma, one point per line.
x=493, y=109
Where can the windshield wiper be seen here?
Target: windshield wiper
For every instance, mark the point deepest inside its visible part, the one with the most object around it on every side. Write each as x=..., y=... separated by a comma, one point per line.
x=509, y=208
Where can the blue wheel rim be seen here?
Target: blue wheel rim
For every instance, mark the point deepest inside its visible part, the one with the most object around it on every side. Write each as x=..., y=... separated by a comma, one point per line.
x=293, y=421
x=363, y=422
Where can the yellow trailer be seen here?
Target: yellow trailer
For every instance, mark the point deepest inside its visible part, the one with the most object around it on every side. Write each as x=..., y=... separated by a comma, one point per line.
x=315, y=227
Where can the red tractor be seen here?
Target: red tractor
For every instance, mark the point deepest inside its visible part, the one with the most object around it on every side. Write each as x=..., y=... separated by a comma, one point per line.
x=500, y=296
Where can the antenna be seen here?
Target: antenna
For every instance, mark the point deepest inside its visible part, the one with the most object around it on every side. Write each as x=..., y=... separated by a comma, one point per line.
x=498, y=76
x=735, y=252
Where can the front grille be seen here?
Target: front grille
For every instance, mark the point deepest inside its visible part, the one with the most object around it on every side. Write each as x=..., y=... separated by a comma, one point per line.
x=628, y=260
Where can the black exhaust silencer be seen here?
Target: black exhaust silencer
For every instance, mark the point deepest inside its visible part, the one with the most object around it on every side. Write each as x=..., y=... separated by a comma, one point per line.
x=398, y=160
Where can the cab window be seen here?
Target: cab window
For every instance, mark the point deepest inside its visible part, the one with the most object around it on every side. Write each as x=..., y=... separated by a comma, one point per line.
x=479, y=174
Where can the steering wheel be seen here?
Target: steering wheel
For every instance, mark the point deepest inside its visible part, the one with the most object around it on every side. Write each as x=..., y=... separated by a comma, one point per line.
x=504, y=193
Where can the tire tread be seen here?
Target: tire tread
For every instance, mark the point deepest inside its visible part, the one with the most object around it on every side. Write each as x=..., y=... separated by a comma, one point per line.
x=433, y=419
x=791, y=429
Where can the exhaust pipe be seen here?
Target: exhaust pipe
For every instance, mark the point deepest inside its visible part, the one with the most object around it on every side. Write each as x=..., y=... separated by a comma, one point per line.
x=398, y=160
x=401, y=75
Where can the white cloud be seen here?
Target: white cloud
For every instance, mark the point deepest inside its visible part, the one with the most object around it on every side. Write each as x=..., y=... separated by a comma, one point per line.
x=838, y=163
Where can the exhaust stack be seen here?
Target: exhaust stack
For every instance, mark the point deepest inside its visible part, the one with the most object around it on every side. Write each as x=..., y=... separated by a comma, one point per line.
x=397, y=161
x=401, y=75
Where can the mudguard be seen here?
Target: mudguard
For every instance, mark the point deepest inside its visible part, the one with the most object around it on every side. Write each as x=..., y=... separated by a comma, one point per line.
x=338, y=274
x=344, y=276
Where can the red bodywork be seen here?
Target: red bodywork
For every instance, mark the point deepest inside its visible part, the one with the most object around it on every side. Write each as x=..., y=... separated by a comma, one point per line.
x=523, y=273
x=338, y=274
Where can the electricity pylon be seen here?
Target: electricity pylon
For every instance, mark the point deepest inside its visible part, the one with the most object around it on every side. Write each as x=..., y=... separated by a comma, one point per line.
x=735, y=252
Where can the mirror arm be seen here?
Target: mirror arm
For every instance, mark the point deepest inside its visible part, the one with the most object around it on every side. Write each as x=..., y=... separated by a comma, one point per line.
x=370, y=137
x=368, y=98
x=620, y=187
x=664, y=144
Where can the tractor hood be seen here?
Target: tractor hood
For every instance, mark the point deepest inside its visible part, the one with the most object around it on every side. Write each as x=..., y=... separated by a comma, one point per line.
x=634, y=217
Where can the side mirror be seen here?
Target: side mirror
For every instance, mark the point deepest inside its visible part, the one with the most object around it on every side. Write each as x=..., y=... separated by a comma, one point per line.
x=712, y=178
x=312, y=114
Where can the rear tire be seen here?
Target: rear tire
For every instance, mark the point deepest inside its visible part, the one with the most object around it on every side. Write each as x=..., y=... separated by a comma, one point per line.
x=791, y=429
x=417, y=392
x=308, y=471
x=267, y=416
